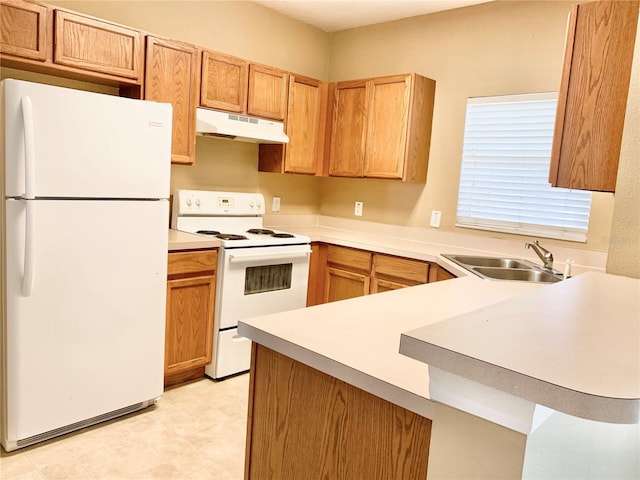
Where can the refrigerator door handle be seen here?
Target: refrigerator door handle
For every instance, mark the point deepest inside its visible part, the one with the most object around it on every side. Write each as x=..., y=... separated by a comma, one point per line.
x=29, y=148
x=27, y=279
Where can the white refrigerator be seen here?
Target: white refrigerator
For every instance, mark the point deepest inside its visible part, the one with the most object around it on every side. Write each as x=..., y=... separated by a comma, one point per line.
x=84, y=218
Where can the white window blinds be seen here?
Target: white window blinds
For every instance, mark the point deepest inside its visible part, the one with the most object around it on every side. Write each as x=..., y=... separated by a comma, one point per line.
x=504, y=183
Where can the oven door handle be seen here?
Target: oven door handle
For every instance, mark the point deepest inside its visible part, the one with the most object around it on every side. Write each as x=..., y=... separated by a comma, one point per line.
x=257, y=257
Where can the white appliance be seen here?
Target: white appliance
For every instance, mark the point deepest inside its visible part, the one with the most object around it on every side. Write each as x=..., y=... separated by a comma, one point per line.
x=85, y=188
x=260, y=271
x=239, y=127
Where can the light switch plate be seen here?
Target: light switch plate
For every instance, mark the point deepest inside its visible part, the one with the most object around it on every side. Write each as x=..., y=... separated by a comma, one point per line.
x=358, y=209
x=275, y=205
x=435, y=218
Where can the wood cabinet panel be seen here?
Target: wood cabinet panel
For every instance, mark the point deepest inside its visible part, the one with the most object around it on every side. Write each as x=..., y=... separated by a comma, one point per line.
x=91, y=44
x=350, y=272
x=192, y=262
x=268, y=92
x=412, y=272
x=381, y=127
x=303, y=124
x=438, y=274
x=342, y=284
x=225, y=80
x=191, y=288
x=593, y=95
x=171, y=76
x=25, y=30
x=304, y=127
x=348, y=129
x=387, y=127
x=306, y=424
x=189, y=330
x=317, y=265
x=349, y=257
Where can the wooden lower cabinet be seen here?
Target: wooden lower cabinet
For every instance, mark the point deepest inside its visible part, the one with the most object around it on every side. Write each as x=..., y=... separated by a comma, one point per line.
x=350, y=272
x=191, y=288
x=303, y=423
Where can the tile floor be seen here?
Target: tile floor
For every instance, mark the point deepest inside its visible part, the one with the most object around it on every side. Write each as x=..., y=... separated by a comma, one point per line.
x=195, y=431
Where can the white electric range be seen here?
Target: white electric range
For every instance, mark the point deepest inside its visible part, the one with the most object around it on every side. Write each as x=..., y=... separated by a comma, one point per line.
x=260, y=271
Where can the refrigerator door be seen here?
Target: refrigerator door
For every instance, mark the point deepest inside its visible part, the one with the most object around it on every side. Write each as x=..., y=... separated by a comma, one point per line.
x=89, y=337
x=83, y=144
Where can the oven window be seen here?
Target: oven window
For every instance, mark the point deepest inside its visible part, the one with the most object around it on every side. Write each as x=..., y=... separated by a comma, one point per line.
x=267, y=278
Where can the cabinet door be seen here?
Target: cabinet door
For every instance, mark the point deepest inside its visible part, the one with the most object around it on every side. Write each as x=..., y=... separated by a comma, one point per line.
x=379, y=285
x=225, y=80
x=396, y=272
x=268, y=92
x=306, y=115
x=91, y=44
x=346, y=154
x=25, y=29
x=342, y=284
x=593, y=95
x=387, y=122
x=189, y=330
x=303, y=124
x=171, y=76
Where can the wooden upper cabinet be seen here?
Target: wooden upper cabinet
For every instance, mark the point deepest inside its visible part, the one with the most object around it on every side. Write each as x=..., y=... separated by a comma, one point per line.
x=387, y=123
x=593, y=95
x=224, y=82
x=171, y=76
x=306, y=115
x=25, y=30
x=91, y=44
x=268, y=92
x=381, y=128
x=348, y=129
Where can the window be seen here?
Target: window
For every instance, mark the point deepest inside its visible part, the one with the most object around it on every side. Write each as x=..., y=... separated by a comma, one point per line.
x=504, y=184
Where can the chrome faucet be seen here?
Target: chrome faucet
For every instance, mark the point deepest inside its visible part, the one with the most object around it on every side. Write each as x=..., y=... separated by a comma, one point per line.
x=545, y=255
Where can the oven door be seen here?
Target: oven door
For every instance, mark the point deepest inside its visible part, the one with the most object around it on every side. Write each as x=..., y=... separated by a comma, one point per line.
x=261, y=280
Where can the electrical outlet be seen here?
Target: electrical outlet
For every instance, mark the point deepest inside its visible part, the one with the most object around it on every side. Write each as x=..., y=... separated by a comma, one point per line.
x=275, y=205
x=358, y=209
x=435, y=218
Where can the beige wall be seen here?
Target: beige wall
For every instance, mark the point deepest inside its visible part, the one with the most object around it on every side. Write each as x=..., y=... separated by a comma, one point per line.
x=490, y=49
x=624, y=253
x=495, y=48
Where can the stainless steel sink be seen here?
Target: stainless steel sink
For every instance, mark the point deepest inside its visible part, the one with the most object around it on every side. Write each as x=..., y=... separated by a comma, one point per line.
x=488, y=262
x=499, y=268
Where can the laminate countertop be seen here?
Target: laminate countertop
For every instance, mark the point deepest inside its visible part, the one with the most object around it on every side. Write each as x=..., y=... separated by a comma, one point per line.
x=573, y=346
x=179, y=240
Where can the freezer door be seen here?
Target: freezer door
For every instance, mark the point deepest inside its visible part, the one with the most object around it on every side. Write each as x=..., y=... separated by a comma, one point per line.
x=89, y=337
x=83, y=144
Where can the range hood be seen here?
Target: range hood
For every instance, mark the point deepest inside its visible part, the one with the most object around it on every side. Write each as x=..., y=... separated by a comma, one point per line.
x=239, y=127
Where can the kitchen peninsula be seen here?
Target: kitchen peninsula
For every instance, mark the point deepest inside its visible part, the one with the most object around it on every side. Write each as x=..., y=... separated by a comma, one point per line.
x=351, y=349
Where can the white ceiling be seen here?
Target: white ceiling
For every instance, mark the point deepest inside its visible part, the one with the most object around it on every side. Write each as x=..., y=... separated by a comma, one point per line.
x=336, y=15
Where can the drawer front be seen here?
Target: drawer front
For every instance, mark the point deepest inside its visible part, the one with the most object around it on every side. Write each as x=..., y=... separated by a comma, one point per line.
x=192, y=262
x=349, y=257
x=398, y=267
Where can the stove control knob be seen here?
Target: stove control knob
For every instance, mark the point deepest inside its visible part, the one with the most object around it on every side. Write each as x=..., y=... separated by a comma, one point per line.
x=197, y=202
x=188, y=202
x=251, y=204
x=259, y=204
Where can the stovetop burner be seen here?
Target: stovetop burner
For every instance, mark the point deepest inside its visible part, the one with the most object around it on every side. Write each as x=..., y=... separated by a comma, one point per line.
x=283, y=235
x=208, y=232
x=260, y=231
x=230, y=236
